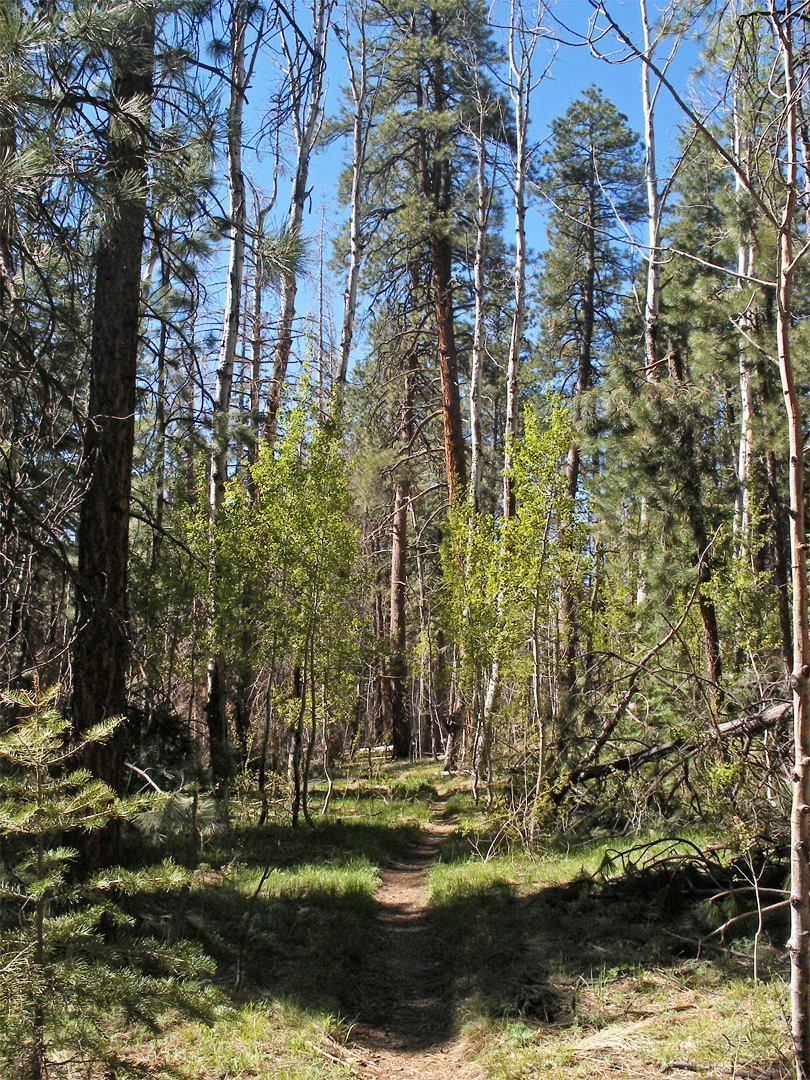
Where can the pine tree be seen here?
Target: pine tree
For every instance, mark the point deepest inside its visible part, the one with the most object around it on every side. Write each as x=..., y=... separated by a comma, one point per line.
x=68, y=962
x=592, y=177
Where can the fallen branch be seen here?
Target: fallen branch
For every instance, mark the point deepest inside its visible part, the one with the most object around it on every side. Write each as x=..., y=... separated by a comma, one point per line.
x=746, y=725
x=612, y=719
x=146, y=777
x=745, y=915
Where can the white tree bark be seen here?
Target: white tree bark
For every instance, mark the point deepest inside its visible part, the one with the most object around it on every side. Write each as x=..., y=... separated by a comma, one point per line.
x=483, y=208
x=239, y=79
x=747, y=323
x=236, y=263
x=523, y=41
x=362, y=97
x=652, y=297
x=799, y=946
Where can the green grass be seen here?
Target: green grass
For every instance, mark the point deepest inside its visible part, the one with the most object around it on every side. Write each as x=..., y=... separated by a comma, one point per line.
x=552, y=970
x=272, y=1040
x=559, y=973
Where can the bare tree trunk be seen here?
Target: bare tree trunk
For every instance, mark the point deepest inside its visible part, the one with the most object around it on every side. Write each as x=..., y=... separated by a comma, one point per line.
x=448, y=368
x=400, y=722
x=306, y=91
x=800, y=680
x=361, y=125
x=101, y=647
x=748, y=325
x=485, y=189
x=652, y=299
x=568, y=613
x=652, y=296
x=522, y=43
x=781, y=566
x=476, y=366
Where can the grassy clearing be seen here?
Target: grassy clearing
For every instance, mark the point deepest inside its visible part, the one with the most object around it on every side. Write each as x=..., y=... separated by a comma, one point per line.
x=275, y=1040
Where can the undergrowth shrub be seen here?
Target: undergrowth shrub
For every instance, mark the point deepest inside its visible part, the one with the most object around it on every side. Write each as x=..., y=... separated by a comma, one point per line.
x=71, y=963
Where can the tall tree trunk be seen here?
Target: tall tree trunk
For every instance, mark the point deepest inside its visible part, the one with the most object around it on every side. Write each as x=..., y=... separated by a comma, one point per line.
x=435, y=179
x=704, y=562
x=256, y=340
x=400, y=721
x=520, y=88
x=781, y=560
x=101, y=646
x=361, y=126
x=477, y=361
x=652, y=297
x=573, y=468
x=448, y=368
x=747, y=322
x=522, y=43
x=800, y=680
x=307, y=117
x=216, y=700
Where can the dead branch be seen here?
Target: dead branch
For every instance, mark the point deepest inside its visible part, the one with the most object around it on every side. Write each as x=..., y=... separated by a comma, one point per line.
x=745, y=726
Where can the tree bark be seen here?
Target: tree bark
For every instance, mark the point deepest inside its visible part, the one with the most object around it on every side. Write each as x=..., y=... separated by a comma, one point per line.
x=800, y=679
x=568, y=615
x=520, y=88
x=361, y=124
x=477, y=360
x=448, y=368
x=400, y=722
x=101, y=646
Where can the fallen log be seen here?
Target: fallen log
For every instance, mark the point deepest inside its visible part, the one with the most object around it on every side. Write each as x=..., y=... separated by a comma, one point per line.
x=745, y=726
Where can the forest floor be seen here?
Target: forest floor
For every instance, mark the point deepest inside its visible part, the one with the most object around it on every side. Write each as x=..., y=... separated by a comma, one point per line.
x=402, y=938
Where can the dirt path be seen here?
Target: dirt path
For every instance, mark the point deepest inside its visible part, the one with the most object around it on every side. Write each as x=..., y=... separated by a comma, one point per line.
x=405, y=1027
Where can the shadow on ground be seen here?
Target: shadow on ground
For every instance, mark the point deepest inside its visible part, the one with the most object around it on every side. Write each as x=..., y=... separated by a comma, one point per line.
x=396, y=973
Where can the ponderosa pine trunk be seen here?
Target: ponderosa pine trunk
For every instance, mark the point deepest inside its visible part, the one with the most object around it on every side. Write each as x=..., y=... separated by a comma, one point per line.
x=435, y=180
x=101, y=647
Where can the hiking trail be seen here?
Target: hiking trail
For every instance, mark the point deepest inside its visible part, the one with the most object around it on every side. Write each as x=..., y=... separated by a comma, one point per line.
x=404, y=1022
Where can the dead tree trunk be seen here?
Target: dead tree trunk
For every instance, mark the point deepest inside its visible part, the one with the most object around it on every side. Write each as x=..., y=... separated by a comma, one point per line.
x=306, y=82
x=216, y=698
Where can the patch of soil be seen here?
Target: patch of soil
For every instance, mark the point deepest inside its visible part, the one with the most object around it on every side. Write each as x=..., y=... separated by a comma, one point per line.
x=404, y=1026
